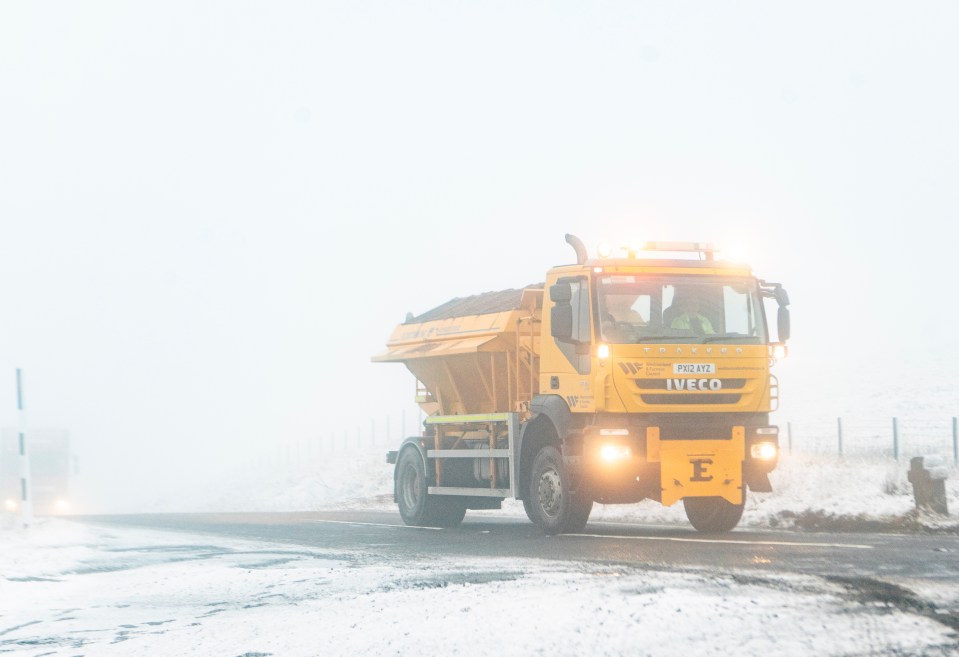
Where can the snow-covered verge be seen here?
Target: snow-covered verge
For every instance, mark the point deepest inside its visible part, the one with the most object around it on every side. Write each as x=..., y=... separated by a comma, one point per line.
x=822, y=492
x=69, y=589
x=809, y=491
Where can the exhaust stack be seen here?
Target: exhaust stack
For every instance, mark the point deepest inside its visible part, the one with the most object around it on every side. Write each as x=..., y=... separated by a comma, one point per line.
x=578, y=246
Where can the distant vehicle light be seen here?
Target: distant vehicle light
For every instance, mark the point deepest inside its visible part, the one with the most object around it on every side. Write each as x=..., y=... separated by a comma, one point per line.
x=62, y=506
x=763, y=451
x=10, y=505
x=613, y=453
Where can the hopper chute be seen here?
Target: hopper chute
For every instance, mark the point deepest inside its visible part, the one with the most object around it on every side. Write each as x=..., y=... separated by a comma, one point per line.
x=476, y=354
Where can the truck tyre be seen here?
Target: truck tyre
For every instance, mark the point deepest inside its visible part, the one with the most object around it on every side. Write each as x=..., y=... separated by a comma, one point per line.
x=712, y=514
x=577, y=520
x=551, y=502
x=528, y=508
x=417, y=507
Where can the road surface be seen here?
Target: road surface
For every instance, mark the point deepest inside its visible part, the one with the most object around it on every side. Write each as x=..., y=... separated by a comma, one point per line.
x=866, y=563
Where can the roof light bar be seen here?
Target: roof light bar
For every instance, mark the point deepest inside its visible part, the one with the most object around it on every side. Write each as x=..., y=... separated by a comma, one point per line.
x=680, y=246
x=634, y=249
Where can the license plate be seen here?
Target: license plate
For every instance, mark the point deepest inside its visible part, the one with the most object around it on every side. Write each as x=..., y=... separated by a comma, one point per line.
x=694, y=368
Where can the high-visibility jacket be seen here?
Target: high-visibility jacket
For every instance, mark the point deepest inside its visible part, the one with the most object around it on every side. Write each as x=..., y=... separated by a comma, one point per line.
x=684, y=321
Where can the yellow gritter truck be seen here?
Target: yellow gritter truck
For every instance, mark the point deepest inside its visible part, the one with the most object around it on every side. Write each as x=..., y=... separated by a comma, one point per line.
x=619, y=379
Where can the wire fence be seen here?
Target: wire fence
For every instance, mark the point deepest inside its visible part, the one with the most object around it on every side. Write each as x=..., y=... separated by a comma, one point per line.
x=897, y=438
x=853, y=436
x=376, y=437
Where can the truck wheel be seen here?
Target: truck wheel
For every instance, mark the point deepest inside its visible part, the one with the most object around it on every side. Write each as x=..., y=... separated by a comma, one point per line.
x=551, y=503
x=417, y=507
x=712, y=514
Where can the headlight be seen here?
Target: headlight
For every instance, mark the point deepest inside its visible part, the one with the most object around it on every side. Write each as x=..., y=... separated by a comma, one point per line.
x=10, y=505
x=763, y=451
x=613, y=453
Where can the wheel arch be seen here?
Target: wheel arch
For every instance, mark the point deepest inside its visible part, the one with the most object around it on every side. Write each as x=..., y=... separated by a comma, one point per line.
x=556, y=409
x=548, y=426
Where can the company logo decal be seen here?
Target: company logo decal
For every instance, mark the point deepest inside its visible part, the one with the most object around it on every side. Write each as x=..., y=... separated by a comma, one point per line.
x=631, y=368
x=694, y=384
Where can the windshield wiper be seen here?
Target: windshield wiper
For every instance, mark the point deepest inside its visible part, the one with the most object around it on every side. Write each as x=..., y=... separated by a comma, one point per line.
x=720, y=338
x=657, y=338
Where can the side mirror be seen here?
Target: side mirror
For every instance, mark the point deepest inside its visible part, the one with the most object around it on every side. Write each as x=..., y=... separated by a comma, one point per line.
x=782, y=297
x=561, y=321
x=782, y=320
x=560, y=293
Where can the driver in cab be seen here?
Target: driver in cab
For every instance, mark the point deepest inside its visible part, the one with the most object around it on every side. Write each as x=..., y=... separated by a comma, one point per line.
x=690, y=317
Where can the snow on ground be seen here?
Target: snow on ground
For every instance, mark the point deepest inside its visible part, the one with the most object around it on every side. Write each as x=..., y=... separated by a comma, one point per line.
x=69, y=589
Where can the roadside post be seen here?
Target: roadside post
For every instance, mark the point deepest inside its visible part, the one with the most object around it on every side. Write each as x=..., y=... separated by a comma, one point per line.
x=26, y=501
x=895, y=438
x=927, y=474
x=955, y=441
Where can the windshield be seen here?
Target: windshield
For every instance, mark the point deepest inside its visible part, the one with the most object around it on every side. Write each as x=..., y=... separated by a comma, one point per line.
x=687, y=309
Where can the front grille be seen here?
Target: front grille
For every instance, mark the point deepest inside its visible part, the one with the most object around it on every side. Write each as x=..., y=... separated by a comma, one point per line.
x=692, y=398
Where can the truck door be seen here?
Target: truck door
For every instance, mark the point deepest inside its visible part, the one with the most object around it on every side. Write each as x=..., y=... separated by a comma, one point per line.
x=566, y=360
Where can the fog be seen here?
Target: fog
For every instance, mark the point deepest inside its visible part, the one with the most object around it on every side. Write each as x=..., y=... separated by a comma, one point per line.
x=213, y=214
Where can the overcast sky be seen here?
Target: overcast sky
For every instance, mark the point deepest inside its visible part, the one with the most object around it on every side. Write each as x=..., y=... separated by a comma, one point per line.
x=213, y=214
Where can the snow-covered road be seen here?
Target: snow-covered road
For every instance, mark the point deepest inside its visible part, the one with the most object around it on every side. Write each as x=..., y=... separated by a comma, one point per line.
x=71, y=589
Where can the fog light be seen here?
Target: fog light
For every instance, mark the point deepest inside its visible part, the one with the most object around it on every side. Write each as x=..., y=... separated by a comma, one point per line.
x=62, y=506
x=763, y=451
x=602, y=351
x=613, y=453
x=10, y=505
